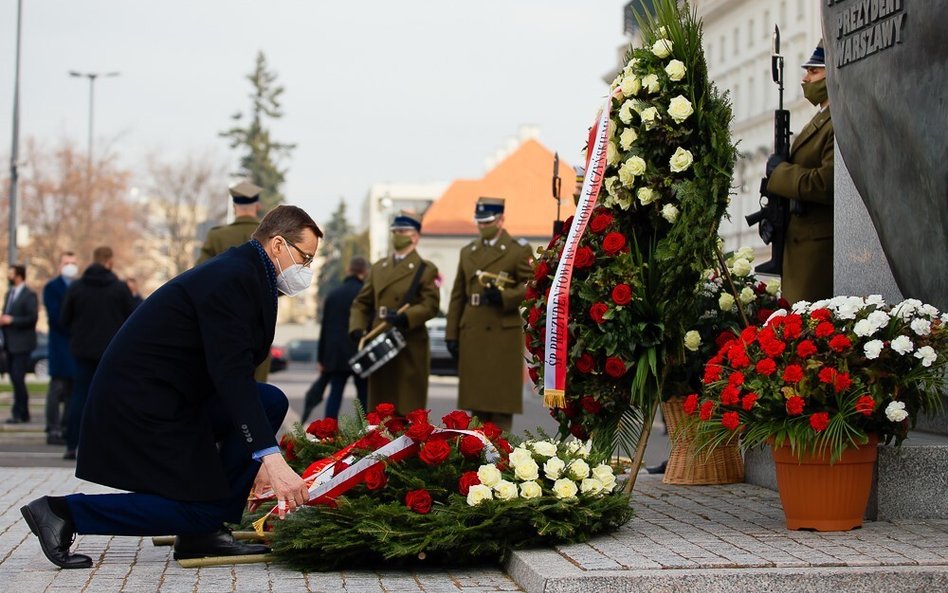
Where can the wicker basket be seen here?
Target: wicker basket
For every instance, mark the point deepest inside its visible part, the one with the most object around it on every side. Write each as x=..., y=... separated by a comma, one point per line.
x=723, y=465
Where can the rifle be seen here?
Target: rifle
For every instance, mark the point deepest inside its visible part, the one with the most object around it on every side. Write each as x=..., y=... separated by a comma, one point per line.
x=557, y=184
x=774, y=213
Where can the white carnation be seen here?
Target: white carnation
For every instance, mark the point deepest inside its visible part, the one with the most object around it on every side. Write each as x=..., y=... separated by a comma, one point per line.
x=681, y=160
x=692, y=340
x=864, y=328
x=553, y=468
x=679, y=109
x=505, y=490
x=875, y=299
x=895, y=411
x=478, y=494
x=527, y=470
x=873, y=349
x=907, y=308
x=662, y=48
x=902, y=344
x=489, y=475
x=564, y=488
x=590, y=486
x=921, y=327
x=578, y=469
x=628, y=138
x=670, y=213
x=675, y=70
x=530, y=490
x=927, y=355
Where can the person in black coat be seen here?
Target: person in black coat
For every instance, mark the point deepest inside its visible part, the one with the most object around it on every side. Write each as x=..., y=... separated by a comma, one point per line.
x=20, y=312
x=335, y=348
x=95, y=307
x=62, y=366
x=174, y=415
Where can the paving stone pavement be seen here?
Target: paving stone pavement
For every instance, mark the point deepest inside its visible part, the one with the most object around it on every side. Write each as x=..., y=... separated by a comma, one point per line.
x=134, y=565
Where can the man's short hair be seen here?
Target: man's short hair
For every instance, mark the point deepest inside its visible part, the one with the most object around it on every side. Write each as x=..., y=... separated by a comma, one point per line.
x=358, y=265
x=19, y=270
x=287, y=222
x=102, y=255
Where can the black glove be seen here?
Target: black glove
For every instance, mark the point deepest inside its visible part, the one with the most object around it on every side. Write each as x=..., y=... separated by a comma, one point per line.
x=453, y=348
x=772, y=162
x=356, y=335
x=398, y=320
x=492, y=296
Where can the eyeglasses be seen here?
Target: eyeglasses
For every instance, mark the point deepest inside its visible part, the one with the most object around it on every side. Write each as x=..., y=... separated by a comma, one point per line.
x=307, y=258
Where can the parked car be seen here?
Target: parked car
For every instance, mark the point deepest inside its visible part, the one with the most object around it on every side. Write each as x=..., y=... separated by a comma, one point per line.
x=442, y=363
x=277, y=359
x=39, y=358
x=302, y=350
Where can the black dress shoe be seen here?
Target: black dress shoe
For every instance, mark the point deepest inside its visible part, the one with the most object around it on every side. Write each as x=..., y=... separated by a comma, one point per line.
x=14, y=421
x=219, y=543
x=55, y=534
x=657, y=469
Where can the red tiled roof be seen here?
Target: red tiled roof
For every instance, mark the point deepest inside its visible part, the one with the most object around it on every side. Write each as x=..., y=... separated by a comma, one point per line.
x=523, y=178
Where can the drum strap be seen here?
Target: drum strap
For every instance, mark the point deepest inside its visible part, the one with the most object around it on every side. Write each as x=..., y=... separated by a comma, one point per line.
x=413, y=289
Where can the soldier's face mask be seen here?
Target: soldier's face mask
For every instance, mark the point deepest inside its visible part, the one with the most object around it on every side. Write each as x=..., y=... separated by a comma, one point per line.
x=815, y=92
x=295, y=278
x=400, y=241
x=488, y=231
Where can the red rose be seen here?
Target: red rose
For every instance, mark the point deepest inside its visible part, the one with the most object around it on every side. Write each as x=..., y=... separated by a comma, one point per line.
x=503, y=445
x=824, y=330
x=707, y=409
x=615, y=368
x=419, y=415
x=724, y=338
x=457, y=419
x=600, y=222
x=821, y=314
x=730, y=420
x=736, y=378
x=691, y=404
x=748, y=401
x=590, y=404
x=396, y=425
x=467, y=480
x=622, y=294
x=323, y=429
x=571, y=410
x=566, y=224
x=766, y=367
x=806, y=348
x=375, y=477
x=288, y=446
x=418, y=501
x=793, y=373
x=434, y=452
x=749, y=334
x=541, y=271
x=585, y=363
x=783, y=303
x=471, y=446
x=795, y=405
x=534, y=315
x=419, y=431
x=597, y=311
x=491, y=430
x=585, y=257
x=819, y=421
x=839, y=343
x=372, y=418
x=531, y=293
x=613, y=243
x=865, y=405
x=384, y=410
x=763, y=314
x=577, y=430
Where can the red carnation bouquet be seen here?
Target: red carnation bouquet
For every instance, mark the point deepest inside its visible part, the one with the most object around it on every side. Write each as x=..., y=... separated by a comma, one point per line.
x=824, y=376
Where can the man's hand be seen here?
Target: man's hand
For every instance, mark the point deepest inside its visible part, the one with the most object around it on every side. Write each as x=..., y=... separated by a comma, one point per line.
x=492, y=296
x=398, y=320
x=290, y=489
x=772, y=162
x=6, y=319
x=454, y=348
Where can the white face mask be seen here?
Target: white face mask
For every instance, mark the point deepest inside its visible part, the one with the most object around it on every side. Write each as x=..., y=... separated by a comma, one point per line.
x=70, y=271
x=295, y=279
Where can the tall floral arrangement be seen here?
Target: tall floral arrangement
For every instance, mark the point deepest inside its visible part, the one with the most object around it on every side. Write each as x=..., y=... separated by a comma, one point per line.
x=666, y=183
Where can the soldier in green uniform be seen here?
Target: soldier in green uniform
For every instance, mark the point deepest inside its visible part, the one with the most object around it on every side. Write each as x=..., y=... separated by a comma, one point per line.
x=808, y=180
x=484, y=329
x=246, y=198
x=403, y=381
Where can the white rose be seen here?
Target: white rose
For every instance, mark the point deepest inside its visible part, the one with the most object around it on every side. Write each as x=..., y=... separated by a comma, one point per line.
x=895, y=411
x=579, y=469
x=520, y=455
x=544, y=448
x=630, y=86
x=553, y=467
x=662, y=48
x=692, y=340
x=747, y=295
x=649, y=115
x=745, y=252
x=603, y=473
x=650, y=83
x=628, y=138
x=741, y=267
x=725, y=301
x=612, y=153
x=661, y=31
x=927, y=355
x=625, y=112
x=670, y=213
x=773, y=286
x=478, y=494
x=680, y=109
x=635, y=165
x=646, y=196
x=527, y=470
x=489, y=475
x=590, y=486
x=902, y=344
x=675, y=70
x=530, y=490
x=611, y=185
x=873, y=349
x=564, y=488
x=681, y=160
x=921, y=327
x=630, y=67
x=585, y=450
x=505, y=490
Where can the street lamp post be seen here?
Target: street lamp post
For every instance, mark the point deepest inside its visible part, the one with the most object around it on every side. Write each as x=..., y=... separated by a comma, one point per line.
x=91, y=76
x=15, y=151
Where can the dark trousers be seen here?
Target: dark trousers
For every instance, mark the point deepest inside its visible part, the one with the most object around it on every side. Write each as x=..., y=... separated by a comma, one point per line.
x=58, y=394
x=85, y=370
x=141, y=514
x=21, y=397
x=336, y=380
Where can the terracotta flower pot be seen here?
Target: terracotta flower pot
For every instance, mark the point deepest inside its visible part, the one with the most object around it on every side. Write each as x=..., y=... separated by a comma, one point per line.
x=824, y=497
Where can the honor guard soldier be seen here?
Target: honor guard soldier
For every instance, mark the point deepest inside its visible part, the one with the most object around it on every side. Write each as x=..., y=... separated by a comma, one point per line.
x=807, y=180
x=400, y=279
x=484, y=330
x=246, y=198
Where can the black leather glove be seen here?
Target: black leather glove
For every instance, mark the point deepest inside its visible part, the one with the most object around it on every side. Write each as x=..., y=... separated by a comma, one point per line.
x=492, y=296
x=356, y=335
x=772, y=162
x=398, y=320
x=453, y=348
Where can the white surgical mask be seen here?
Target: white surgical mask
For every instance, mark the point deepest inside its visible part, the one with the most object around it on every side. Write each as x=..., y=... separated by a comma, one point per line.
x=70, y=271
x=295, y=279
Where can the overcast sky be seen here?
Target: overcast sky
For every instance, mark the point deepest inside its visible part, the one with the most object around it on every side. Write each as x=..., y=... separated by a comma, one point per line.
x=399, y=90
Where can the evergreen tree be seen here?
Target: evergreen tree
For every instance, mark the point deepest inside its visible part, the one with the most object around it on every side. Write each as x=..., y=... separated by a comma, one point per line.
x=261, y=155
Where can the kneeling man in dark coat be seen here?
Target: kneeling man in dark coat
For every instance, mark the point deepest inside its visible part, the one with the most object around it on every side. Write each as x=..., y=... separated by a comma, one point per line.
x=174, y=415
